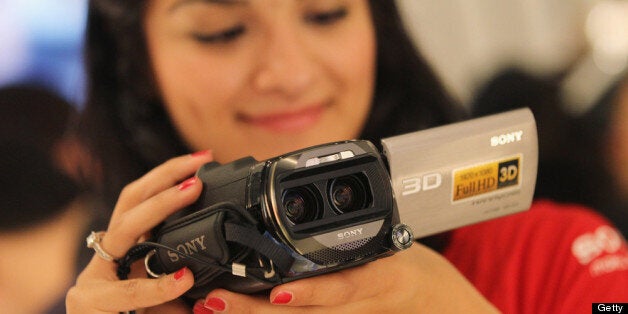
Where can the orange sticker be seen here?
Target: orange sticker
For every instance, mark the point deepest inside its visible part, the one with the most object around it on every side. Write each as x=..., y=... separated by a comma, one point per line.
x=485, y=178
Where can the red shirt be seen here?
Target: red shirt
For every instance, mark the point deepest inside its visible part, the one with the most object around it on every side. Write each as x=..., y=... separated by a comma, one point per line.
x=552, y=258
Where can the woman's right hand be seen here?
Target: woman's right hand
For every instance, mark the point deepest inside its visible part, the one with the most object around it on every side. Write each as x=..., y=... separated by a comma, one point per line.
x=417, y=280
x=142, y=205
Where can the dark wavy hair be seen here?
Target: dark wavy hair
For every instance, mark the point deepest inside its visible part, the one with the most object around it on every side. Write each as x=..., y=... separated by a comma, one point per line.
x=126, y=125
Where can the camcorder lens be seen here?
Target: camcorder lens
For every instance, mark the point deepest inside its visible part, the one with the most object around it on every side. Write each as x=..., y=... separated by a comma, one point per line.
x=300, y=205
x=348, y=194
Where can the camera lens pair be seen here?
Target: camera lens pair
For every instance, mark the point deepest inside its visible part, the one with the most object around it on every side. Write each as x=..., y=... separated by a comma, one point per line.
x=345, y=194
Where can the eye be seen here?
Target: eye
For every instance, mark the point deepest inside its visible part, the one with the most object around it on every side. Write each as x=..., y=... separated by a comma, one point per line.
x=221, y=37
x=327, y=17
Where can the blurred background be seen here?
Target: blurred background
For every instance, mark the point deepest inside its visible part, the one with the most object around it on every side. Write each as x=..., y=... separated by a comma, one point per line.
x=41, y=43
x=469, y=42
x=565, y=59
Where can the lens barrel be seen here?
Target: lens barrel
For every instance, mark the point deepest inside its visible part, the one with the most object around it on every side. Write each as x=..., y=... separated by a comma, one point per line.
x=347, y=194
x=300, y=205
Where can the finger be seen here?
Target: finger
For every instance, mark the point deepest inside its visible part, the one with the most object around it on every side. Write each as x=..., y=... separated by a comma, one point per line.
x=131, y=225
x=220, y=300
x=99, y=269
x=160, y=178
x=129, y=294
x=224, y=301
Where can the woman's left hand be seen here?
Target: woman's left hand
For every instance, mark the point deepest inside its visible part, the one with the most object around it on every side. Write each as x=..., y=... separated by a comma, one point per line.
x=417, y=278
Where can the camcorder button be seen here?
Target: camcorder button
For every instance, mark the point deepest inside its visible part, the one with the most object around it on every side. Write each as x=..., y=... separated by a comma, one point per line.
x=402, y=237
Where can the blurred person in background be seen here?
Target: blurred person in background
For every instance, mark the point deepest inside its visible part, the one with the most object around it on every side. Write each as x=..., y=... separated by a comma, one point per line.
x=42, y=201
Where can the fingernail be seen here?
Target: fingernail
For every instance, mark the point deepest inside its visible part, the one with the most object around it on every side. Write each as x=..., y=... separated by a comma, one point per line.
x=187, y=183
x=200, y=153
x=215, y=304
x=283, y=297
x=179, y=274
x=199, y=308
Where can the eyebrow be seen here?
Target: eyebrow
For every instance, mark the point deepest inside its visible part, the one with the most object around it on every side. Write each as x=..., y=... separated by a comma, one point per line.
x=181, y=3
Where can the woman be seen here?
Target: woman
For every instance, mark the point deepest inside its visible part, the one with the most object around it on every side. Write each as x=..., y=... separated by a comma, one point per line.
x=259, y=78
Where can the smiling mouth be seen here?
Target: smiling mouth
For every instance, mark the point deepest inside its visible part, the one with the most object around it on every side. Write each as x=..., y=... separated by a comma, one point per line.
x=293, y=121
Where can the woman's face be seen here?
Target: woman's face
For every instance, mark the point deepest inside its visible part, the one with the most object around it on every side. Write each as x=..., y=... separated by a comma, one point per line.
x=262, y=78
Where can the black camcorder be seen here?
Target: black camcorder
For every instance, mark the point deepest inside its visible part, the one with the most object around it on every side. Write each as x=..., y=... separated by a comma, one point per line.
x=258, y=224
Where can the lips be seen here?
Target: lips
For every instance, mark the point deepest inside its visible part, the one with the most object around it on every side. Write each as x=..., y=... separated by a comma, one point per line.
x=287, y=121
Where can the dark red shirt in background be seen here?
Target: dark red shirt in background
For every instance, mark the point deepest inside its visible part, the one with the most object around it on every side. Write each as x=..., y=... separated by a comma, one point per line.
x=553, y=258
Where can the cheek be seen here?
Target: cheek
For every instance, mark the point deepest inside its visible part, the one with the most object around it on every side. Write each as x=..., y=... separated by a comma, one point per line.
x=355, y=53
x=356, y=65
x=198, y=95
x=187, y=97
x=197, y=89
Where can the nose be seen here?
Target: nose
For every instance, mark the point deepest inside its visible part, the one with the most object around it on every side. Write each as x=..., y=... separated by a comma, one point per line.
x=286, y=64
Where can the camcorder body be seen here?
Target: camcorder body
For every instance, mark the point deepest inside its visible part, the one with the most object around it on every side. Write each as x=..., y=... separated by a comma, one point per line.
x=329, y=207
x=258, y=224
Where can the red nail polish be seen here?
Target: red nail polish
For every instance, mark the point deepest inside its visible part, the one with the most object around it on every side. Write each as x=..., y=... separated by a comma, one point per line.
x=187, y=183
x=179, y=274
x=216, y=304
x=199, y=308
x=200, y=153
x=283, y=297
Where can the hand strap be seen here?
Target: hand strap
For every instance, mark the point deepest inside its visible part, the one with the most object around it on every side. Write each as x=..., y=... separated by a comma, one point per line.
x=223, y=228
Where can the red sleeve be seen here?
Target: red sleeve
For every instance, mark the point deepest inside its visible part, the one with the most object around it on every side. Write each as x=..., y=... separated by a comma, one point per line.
x=550, y=259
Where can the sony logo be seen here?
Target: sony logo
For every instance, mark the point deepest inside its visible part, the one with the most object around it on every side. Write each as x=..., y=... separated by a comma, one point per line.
x=349, y=234
x=506, y=138
x=189, y=248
